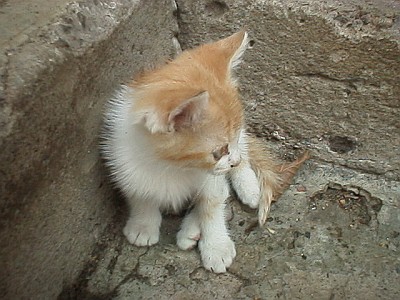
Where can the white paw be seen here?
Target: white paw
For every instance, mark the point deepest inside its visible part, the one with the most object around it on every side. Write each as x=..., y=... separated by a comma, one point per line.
x=141, y=234
x=251, y=195
x=186, y=241
x=246, y=185
x=217, y=254
x=189, y=235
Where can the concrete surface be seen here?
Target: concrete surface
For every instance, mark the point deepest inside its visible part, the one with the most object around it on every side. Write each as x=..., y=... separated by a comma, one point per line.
x=58, y=67
x=336, y=236
x=322, y=75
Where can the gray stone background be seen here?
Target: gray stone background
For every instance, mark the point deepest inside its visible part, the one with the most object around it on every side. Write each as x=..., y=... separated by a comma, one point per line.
x=321, y=75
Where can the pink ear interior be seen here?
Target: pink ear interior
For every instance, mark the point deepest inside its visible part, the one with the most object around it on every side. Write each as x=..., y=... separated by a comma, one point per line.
x=189, y=112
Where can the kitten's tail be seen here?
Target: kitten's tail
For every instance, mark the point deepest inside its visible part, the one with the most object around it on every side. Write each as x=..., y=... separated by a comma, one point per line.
x=287, y=171
x=273, y=178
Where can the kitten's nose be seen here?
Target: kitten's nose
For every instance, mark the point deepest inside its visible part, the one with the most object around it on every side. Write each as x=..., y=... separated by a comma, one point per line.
x=235, y=162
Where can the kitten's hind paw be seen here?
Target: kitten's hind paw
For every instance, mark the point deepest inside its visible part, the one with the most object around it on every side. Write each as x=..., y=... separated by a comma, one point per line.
x=189, y=235
x=190, y=232
x=217, y=255
x=140, y=235
x=185, y=242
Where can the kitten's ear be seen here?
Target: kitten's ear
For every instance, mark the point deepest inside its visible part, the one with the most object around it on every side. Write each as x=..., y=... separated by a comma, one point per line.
x=239, y=42
x=235, y=45
x=187, y=113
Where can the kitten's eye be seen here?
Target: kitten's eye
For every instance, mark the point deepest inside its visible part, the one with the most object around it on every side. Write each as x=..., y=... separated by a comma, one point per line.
x=220, y=152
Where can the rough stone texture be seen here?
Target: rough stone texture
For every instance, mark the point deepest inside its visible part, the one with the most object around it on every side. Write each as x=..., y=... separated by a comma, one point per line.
x=321, y=73
x=316, y=78
x=58, y=65
x=336, y=236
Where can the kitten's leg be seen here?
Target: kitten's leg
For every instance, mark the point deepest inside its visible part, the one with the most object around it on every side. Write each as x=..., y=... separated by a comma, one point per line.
x=189, y=234
x=245, y=183
x=143, y=225
x=217, y=250
x=243, y=178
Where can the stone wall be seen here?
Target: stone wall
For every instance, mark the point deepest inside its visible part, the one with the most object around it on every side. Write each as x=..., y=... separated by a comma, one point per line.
x=322, y=74
x=56, y=75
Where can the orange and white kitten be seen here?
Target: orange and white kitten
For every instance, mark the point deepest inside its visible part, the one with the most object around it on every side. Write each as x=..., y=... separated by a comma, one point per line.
x=177, y=134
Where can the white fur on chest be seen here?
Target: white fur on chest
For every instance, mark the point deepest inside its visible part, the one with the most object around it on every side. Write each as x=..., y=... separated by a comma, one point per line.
x=133, y=164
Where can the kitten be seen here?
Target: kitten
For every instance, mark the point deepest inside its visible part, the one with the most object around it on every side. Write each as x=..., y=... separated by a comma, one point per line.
x=177, y=134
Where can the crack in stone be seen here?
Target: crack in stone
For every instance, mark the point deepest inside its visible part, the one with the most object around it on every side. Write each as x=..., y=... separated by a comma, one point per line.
x=79, y=288
x=177, y=15
x=133, y=275
x=114, y=260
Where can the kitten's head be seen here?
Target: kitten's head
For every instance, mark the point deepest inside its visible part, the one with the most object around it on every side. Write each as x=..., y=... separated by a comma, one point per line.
x=190, y=108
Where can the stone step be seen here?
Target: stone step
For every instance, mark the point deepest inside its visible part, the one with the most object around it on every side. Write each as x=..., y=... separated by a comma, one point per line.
x=59, y=62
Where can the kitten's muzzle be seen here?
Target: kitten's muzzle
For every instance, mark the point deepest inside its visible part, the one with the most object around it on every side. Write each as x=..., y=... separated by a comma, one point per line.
x=234, y=162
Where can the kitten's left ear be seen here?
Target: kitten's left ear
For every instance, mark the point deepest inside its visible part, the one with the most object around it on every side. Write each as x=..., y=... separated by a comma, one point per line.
x=188, y=113
x=235, y=45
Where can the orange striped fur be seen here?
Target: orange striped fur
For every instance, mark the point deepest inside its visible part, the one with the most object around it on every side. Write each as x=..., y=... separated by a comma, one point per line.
x=192, y=73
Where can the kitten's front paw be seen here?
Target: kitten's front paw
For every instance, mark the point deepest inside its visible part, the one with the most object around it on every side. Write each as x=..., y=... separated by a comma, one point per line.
x=251, y=196
x=217, y=254
x=247, y=187
x=141, y=235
